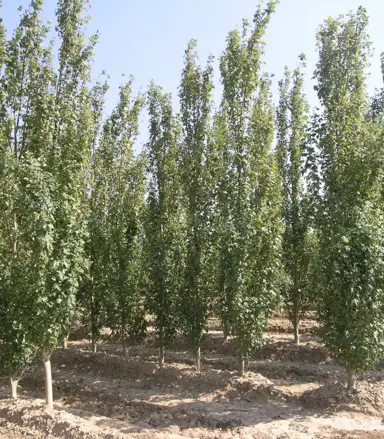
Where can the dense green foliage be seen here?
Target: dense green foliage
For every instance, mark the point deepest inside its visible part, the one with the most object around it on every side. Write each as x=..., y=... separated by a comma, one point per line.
x=195, y=99
x=213, y=218
x=348, y=159
x=248, y=198
x=292, y=118
x=164, y=248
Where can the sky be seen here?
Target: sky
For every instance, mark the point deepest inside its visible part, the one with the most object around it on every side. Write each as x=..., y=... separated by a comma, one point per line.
x=147, y=38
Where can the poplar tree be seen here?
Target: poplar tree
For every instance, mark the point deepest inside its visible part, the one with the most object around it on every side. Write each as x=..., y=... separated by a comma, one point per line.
x=48, y=128
x=118, y=201
x=164, y=253
x=26, y=79
x=292, y=116
x=195, y=98
x=350, y=219
x=92, y=296
x=250, y=234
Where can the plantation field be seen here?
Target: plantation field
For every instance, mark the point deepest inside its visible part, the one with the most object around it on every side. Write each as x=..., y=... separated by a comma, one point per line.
x=288, y=392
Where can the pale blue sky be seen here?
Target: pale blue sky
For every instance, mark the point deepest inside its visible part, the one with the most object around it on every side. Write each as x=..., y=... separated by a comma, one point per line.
x=147, y=38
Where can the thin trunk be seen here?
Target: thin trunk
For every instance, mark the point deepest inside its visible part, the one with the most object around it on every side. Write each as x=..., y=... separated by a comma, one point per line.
x=65, y=344
x=14, y=244
x=93, y=345
x=48, y=383
x=93, y=326
x=351, y=379
x=125, y=346
x=13, y=380
x=197, y=358
x=14, y=383
x=225, y=332
x=296, y=325
x=161, y=354
x=241, y=369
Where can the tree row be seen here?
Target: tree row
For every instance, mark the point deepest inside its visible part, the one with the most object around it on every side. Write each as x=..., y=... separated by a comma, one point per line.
x=228, y=211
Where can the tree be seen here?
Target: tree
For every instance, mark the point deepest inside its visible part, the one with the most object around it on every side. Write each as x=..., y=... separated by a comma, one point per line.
x=26, y=78
x=164, y=253
x=91, y=297
x=292, y=117
x=16, y=352
x=260, y=294
x=48, y=128
x=195, y=98
x=118, y=201
x=248, y=199
x=346, y=154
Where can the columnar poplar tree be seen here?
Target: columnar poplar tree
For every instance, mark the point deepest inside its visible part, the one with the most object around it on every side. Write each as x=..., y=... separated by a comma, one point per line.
x=195, y=98
x=92, y=295
x=250, y=237
x=260, y=294
x=26, y=79
x=164, y=219
x=118, y=200
x=14, y=351
x=71, y=141
x=350, y=221
x=49, y=131
x=221, y=299
x=292, y=125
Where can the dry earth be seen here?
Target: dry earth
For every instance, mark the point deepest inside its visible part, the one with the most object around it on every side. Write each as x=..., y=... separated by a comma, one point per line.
x=288, y=392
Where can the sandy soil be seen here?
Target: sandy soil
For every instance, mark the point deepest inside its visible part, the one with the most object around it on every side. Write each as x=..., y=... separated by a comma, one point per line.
x=288, y=392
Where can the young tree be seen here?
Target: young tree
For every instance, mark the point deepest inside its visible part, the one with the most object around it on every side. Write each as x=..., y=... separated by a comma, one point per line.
x=92, y=295
x=164, y=251
x=48, y=130
x=195, y=98
x=249, y=199
x=118, y=200
x=259, y=296
x=26, y=80
x=350, y=220
x=292, y=125
x=16, y=352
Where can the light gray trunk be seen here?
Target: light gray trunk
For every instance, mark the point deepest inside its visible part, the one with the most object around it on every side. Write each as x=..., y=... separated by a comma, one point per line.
x=127, y=352
x=161, y=355
x=14, y=383
x=198, y=359
x=93, y=346
x=65, y=344
x=48, y=383
x=351, y=379
x=225, y=332
x=241, y=369
x=296, y=325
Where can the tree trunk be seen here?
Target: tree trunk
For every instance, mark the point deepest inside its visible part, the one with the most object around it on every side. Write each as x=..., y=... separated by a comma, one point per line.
x=14, y=383
x=127, y=353
x=161, y=354
x=241, y=369
x=296, y=325
x=225, y=332
x=93, y=341
x=93, y=327
x=351, y=379
x=48, y=383
x=65, y=344
x=197, y=358
x=14, y=244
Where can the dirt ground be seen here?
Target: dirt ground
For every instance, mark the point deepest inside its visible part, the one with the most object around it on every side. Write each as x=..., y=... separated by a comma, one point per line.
x=288, y=392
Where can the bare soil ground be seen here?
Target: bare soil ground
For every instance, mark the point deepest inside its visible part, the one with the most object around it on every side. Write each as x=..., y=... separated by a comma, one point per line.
x=288, y=392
